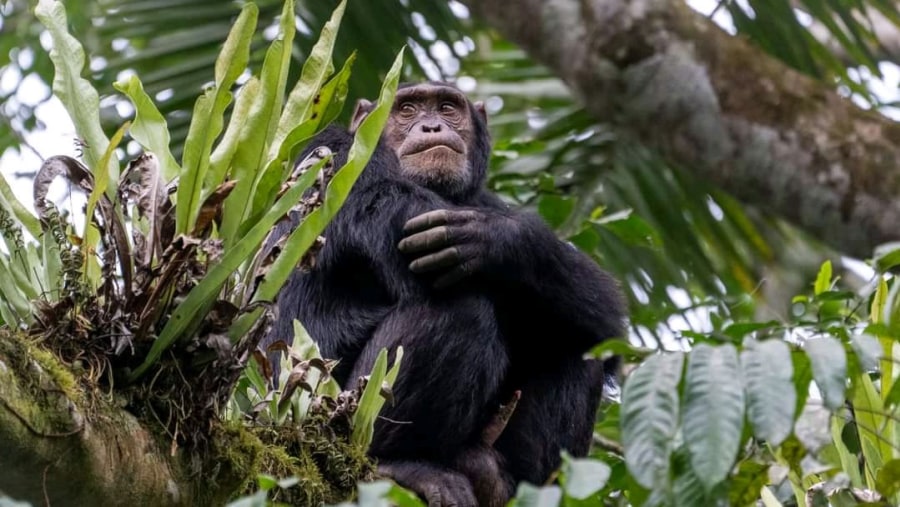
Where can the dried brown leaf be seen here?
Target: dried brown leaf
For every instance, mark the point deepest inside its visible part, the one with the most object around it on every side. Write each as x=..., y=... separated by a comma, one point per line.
x=212, y=207
x=52, y=168
x=141, y=182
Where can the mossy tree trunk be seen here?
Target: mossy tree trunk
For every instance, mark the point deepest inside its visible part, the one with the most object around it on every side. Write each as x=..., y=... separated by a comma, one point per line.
x=60, y=446
x=64, y=441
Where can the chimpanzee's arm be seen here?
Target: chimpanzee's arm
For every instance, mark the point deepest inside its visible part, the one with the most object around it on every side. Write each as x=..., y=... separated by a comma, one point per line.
x=562, y=287
x=530, y=273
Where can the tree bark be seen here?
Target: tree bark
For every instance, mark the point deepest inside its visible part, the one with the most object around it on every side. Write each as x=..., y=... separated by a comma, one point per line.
x=60, y=446
x=715, y=105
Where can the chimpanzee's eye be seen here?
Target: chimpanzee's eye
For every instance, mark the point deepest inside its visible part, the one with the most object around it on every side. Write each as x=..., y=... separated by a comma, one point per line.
x=407, y=108
x=448, y=108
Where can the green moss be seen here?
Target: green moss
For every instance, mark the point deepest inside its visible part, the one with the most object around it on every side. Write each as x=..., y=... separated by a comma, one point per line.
x=20, y=351
x=60, y=374
x=326, y=465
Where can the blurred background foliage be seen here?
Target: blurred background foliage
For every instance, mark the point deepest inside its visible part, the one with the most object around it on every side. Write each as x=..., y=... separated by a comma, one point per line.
x=688, y=254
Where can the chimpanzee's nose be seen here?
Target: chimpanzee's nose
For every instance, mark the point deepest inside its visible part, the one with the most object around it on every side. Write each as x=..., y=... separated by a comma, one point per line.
x=431, y=127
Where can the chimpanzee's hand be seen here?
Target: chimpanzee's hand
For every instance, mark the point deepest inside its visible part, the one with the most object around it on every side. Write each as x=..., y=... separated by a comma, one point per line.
x=438, y=486
x=456, y=244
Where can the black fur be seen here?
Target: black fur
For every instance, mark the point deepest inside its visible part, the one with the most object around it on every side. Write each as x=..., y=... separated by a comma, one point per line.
x=523, y=326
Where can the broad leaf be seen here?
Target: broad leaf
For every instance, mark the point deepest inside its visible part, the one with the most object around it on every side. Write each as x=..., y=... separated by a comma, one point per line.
x=829, y=366
x=149, y=127
x=687, y=488
x=650, y=413
x=371, y=401
x=76, y=93
x=533, y=496
x=207, y=118
x=316, y=70
x=582, y=478
x=713, y=411
x=250, y=156
x=326, y=106
x=771, y=399
x=221, y=158
x=17, y=210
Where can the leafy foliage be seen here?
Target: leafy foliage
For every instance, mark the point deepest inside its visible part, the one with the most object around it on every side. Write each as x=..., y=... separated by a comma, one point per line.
x=171, y=266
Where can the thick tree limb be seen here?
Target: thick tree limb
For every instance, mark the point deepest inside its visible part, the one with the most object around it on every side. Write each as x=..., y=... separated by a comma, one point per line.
x=51, y=454
x=59, y=448
x=722, y=109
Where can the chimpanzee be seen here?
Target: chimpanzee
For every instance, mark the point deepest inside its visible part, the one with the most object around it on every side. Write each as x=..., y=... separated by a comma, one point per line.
x=486, y=302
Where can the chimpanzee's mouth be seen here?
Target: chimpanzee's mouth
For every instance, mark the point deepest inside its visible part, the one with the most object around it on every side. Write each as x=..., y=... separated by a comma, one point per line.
x=423, y=146
x=435, y=147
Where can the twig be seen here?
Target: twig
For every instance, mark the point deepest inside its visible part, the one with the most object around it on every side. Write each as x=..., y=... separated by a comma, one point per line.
x=608, y=445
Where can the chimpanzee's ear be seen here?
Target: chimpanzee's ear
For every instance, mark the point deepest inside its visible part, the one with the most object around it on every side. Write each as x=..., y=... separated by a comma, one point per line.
x=363, y=108
x=479, y=106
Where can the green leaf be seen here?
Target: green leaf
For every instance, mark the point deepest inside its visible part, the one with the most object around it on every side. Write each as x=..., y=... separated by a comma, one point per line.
x=650, y=414
x=91, y=270
x=331, y=99
x=741, y=329
x=823, y=280
x=316, y=70
x=207, y=119
x=622, y=348
x=582, y=478
x=887, y=482
x=849, y=461
x=402, y=497
x=878, y=313
x=872, y=422
x=371, y=401
x=767, y=370
x=829, y=366
x=631, y=229
x=887, y=256
x=266, y=482
x=220, y=160
x=374, y=494
x=713, y=411
x=687, y=488
x=250, y=158
x=52, y=266
x=149, y=127
x=17, y=210
x=76, y=93
x=747, y=482
x=802, y=378
x=868, y=350
x=533, y=496
x=14, y=306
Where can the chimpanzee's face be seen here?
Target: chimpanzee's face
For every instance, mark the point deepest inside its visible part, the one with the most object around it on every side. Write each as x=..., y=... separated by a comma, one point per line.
x=430, y=130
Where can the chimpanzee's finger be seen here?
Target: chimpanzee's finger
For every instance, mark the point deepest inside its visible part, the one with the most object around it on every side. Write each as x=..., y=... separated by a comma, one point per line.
x=427, y=241
x=426, y=221
x=444, y=259
x=439, y=217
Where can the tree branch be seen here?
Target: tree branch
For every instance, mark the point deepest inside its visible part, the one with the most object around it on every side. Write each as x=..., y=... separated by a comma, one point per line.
x=714, y=105
x=59, y=446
